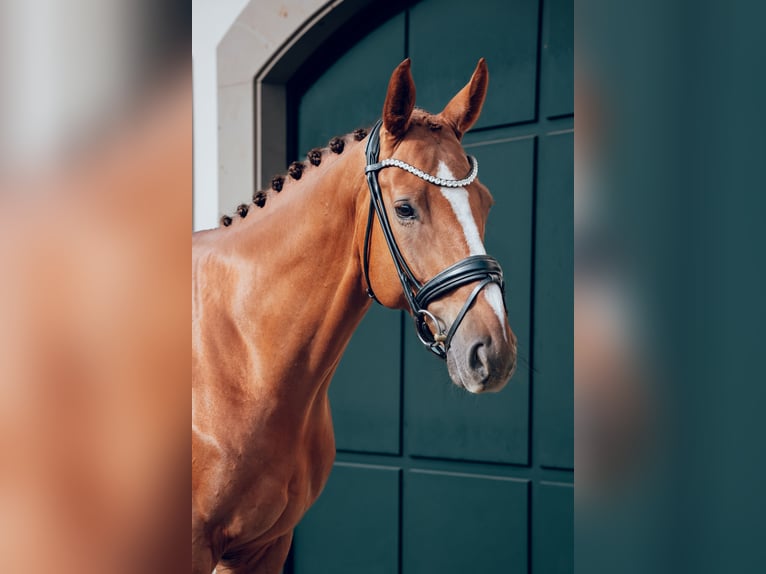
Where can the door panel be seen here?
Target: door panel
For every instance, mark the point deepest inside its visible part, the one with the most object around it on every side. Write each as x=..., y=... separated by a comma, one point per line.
x=457, y=523
x=553, y=528
x=443, y=421
x=554, y=301
x=366, y=403
x=354, y=525
x=558, y=58
x=508, y=170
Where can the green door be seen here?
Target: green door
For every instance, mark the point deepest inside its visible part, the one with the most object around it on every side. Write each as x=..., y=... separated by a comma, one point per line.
x=428, y=478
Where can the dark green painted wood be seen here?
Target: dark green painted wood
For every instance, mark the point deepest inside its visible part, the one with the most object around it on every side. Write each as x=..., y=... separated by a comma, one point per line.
x=354, y=525
x=366, y=401
x=553, y=528
x=447, y=38
x=557, y=91
x=442, y=420
x=458, y=523
x=508, y=171
x=351, y=92
x=554, y=301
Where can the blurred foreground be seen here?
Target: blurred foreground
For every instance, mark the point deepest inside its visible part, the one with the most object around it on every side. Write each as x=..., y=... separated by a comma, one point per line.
x=95, y=212
x=670, y=277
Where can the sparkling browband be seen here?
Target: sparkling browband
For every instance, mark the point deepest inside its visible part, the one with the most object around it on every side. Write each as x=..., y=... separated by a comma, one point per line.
x=427, y=177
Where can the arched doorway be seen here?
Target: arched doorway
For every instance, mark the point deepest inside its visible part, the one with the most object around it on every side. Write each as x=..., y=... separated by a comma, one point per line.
x=429, y=479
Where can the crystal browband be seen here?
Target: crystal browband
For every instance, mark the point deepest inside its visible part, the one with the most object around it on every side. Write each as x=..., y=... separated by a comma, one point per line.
x=428, y=177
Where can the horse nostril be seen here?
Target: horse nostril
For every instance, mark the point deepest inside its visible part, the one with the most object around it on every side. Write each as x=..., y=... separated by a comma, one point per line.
x=479, y=361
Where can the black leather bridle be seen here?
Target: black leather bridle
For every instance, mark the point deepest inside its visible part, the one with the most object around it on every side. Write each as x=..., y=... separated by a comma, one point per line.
x=481, y=268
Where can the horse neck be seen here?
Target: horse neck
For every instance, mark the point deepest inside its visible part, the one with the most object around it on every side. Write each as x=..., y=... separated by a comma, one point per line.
x=293, y=278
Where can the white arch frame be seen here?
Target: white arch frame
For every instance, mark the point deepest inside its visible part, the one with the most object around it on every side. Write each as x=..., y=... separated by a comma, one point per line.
x=259, y=52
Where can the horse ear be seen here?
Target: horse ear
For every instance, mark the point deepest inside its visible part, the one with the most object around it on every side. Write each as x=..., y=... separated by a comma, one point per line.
x=400, y=100
x=464, y=109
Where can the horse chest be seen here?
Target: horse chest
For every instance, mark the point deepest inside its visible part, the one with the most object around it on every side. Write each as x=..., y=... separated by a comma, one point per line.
x=269, y=498
x=274, y=507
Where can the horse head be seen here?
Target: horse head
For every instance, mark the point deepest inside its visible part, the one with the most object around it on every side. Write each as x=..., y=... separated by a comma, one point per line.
x=433, y=211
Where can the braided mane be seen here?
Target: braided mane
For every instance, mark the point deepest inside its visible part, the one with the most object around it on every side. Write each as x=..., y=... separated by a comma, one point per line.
x=294, y=172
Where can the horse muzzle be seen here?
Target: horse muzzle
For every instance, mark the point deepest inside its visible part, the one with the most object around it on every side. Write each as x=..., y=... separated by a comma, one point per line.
x=482, y=364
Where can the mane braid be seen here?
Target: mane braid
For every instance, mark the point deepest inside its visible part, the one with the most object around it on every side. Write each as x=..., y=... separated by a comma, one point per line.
x=225, y=220
x=259, y=198
x=296, y=169
x=315, y=156
x=242, y=210
x=277, y=182
x=337, y=145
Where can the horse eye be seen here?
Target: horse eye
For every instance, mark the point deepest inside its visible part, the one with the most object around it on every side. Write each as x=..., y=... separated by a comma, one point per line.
x=405, y=211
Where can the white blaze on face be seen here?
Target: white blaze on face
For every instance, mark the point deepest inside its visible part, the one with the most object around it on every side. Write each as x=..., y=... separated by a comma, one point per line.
x=458, y=199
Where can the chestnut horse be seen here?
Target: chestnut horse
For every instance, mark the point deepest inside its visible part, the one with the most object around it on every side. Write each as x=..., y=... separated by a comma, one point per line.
x=279, y=289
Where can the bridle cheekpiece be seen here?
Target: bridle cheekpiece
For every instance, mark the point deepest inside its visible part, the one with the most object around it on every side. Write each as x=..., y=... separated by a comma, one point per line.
x=474, y=268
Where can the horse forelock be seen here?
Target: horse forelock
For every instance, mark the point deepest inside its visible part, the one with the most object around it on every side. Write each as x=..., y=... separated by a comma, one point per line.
x=425, y=143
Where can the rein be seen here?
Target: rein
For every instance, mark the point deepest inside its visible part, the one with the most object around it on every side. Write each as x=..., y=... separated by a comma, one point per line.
x=481, y=268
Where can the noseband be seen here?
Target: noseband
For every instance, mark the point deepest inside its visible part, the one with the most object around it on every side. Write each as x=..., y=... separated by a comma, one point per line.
x=481, y=268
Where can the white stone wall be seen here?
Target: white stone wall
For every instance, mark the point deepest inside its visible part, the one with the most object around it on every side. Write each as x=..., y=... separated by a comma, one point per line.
x=211, y=20
x=233, y=41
